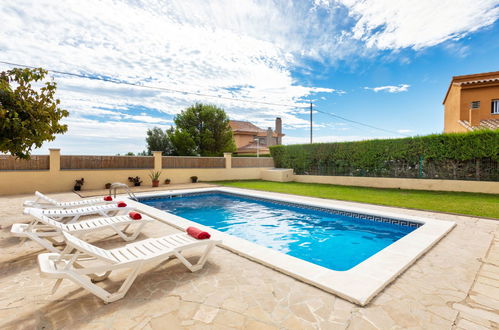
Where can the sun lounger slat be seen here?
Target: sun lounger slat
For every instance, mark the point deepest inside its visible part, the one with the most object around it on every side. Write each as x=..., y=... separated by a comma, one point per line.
x=156, y=245
x=127, y=255
x=164, y=241
x=138, y=252
x=184, y=238
x=118, y=219
x=150, y=248
x=175, y=241
x=118, y=256
x=73, y=227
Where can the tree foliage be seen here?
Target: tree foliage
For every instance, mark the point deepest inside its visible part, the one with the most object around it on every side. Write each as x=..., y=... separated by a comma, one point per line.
x=182, y=142
x=28, y=116
x=202, y=130
x=157, y=140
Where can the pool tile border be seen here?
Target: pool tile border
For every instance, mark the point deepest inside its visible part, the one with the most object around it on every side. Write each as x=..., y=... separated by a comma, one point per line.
x=359, y=284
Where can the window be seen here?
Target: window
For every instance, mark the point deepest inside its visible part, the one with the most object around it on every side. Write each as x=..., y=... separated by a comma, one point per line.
x=475, y=105
x=495, y=107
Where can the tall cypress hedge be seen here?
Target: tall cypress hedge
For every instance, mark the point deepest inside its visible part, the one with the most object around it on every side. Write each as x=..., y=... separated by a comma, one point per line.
x=473, y=155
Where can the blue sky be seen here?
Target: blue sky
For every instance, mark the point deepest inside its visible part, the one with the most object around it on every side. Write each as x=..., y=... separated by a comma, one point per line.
x=384, y=63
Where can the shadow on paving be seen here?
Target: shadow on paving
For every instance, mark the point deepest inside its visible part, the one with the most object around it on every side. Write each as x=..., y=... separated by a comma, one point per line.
x=77, y=308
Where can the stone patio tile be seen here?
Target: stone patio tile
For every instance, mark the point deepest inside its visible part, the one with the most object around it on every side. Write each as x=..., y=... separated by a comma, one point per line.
x=294, y=322
x=466, y=324
x=359, y=323
x=486, y=290
x=478, y=320
x=490, y=316
x=256, y=325
x=168, y=320
x=453, y=284
x=379, y=317
x=206, y=314
x=229, y=319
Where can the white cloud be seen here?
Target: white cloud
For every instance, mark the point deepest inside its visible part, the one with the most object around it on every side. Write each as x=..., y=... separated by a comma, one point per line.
x=193, y=46
x=390, y=89
x=234, y=49
x=395, y=24
x=404, y=131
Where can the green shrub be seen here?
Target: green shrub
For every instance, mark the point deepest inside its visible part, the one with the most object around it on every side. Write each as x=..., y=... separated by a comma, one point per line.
x=457, y=156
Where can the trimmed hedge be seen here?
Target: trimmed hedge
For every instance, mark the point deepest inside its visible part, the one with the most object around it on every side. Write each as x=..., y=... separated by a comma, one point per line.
x=473, y=155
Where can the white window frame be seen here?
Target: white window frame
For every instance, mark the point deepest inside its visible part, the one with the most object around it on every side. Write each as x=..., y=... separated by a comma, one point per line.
x=495, y=107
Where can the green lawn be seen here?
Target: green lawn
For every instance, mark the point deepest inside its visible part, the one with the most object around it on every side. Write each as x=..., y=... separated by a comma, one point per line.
x=483, y=205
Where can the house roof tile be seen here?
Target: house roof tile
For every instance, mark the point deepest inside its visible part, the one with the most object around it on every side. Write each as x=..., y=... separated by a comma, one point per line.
x=240, y=126
x=473, y=79
x=484, y=124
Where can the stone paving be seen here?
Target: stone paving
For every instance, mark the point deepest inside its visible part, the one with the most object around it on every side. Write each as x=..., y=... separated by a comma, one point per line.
x=454, y=286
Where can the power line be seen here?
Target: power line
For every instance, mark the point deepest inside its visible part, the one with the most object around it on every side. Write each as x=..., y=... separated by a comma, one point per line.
x=122, y=82
x=359, y=123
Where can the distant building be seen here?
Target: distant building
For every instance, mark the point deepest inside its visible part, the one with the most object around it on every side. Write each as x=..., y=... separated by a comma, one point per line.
x=246, y=135
x=472, y=102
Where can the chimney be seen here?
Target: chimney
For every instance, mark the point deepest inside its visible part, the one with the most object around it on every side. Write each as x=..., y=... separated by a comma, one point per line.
x=268, y=139
x=278, y=130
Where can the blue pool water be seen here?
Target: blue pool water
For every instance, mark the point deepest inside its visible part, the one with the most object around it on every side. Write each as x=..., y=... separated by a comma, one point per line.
x=334, y=241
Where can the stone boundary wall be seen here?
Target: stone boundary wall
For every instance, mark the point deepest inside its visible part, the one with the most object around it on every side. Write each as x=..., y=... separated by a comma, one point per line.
x=55, y=179
x=486, y=187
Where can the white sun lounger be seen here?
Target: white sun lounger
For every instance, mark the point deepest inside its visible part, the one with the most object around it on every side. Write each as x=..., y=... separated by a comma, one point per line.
x=44, y=202
x=44, y=230
x=68, y=263
x=72, y=215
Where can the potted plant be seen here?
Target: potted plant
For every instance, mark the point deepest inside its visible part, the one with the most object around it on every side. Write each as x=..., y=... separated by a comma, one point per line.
x=167, y=181
x=108, y=185
x=194, y=179
x=154, y=175
x=135, y=179
x=78, y=184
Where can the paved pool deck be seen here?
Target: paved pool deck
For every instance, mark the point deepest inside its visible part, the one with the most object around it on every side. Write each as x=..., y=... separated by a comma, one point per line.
x=454, y=286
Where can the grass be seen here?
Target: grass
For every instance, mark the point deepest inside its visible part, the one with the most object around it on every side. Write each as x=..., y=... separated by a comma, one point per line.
x=482, y=205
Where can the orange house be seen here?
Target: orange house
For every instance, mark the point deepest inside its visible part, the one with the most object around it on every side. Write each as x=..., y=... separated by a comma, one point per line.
x=472, y=102
x=249, y=137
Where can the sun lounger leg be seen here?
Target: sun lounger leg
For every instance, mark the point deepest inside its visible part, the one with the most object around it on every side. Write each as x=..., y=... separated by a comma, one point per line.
x=98, y=278
x=201, y=261
x=129, y=237
x=43, y=242
x=56, y=285
x=75, y=218
x=126, y=285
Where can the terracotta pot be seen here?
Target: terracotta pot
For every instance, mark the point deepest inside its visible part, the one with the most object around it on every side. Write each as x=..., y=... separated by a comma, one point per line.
x=155, y=183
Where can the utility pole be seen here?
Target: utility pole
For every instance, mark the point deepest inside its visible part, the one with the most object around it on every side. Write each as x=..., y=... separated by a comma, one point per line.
x=310, y=122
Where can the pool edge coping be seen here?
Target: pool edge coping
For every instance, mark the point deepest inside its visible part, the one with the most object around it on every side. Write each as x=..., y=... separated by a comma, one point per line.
x=359, y=284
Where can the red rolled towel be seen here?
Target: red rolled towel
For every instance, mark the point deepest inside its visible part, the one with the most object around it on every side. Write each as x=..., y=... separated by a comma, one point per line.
x=197, y=233
x=135, y=215
x=108, y=198
x=121, y=204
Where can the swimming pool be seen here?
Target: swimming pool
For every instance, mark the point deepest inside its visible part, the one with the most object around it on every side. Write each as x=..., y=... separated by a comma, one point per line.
x=349, y=249
x=323, y=237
